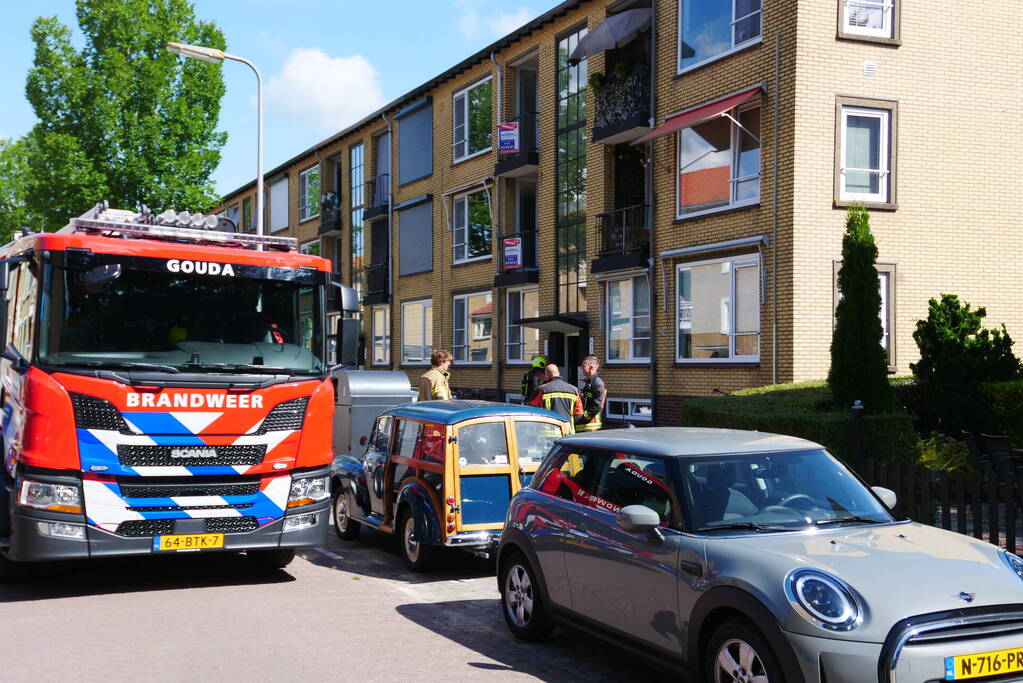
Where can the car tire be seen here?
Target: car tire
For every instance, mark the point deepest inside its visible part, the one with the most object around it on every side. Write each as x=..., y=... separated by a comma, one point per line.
x=345, y=527
x=523, y=606
x=737, y=651
x=271, y=559
x=419, y=557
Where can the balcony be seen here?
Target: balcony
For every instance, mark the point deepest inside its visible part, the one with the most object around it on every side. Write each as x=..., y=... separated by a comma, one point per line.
x=330, y=217
x=624, y=239
x=518, y=260
x=378, y=196
x=377, y=289
x=623, y=105
x=527, y=160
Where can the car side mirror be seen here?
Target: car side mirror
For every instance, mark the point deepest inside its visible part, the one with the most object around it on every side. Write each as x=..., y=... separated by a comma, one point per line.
x=638, y=519
x=887, y=496
x=18, y=362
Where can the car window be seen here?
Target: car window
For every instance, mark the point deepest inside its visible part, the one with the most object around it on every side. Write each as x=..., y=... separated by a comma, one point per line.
x=534, y=440
x=574, y=476
x=433, y=443
x=406, y=436
x=483, y=443
x=381, y=437
x=627, y=479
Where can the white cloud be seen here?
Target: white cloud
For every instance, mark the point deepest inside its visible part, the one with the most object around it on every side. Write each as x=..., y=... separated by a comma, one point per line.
x=327, y=92
x=481, y=17
x=505, y=23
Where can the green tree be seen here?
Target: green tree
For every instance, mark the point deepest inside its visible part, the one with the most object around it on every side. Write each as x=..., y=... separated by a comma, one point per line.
x=14, y=211
x=957, y=355
x=121, y=118
x=859, y=367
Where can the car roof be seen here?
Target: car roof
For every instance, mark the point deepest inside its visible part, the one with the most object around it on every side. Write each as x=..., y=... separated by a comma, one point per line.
x=685, y=442
x=451, y=412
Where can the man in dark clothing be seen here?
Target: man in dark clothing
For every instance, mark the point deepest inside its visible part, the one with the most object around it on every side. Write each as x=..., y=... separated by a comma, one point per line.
x=532, y=380
x=594, y=394
x=558, y=395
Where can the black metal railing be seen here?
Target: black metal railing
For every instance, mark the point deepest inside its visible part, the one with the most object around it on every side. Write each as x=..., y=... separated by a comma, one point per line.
x=330, y=217
x=521, y=256
x=378, y=190
x=529, y=136
x=624, y=231
x=623, y=98
x=376, y=279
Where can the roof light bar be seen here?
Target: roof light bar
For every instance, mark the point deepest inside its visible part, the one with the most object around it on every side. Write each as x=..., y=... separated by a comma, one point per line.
x=176, y=233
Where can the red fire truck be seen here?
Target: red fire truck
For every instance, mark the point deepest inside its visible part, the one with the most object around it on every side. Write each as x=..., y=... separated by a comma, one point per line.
x=165, y=388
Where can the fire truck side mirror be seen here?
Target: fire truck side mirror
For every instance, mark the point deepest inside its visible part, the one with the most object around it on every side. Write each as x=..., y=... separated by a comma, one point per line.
x=348, y=342
x=346, y=297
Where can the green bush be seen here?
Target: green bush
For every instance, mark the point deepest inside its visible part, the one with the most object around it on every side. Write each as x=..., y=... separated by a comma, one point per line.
x=943, y=454
x=1003, y=402
x=804, y=410
x=859, y=366
x=957, y=355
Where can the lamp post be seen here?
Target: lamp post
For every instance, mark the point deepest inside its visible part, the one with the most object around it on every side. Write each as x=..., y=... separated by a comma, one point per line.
x=215, y=56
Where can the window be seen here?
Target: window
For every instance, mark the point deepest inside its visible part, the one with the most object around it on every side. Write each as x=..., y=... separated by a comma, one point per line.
x=415, y=141
x=309, y=193
x=381, y=438
x=312, y=247
x=356, y=161
x=381, y=335
x=407, y=439
x=279, y=204
x=886, y=282
x=473, y=316
x=718, y=315
x=432, y=449
x=515, y=399
x=482, y=444
x=865, y=165
x=473, y=120
x=719, y=163
x=629, y=409
x=522, y=342
x=628, y=319
x=232, y=213
x=416, y=332
x=534, y=439
x=246, y=225
x=472, y=228
x=571, y=176
x=415, y=239
x=24, y=318
x=868, y=19
x=709, y=29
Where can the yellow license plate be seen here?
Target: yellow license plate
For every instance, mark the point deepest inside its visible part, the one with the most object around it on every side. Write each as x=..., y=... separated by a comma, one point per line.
x=994, y=663
x=188, y=542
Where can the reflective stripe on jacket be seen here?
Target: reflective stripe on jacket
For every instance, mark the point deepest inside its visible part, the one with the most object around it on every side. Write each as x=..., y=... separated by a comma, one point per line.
x=560, y=397
x=433, y=385
x=594, y=393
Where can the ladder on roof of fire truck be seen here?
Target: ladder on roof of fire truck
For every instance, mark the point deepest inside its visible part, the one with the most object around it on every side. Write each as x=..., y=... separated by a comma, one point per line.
x=182, y=226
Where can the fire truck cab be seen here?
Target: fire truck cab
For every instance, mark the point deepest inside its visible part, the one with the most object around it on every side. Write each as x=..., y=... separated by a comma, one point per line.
x=164, y=386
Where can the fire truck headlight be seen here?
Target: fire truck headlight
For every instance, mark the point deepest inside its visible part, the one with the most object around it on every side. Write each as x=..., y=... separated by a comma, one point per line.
x=55, y=497
x=299, y=522
x=306, y=490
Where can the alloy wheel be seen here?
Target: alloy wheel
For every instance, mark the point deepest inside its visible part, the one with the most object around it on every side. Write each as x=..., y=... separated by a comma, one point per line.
x=341, y=520
x=411, y=545
x=518, y=596
x=738, y=662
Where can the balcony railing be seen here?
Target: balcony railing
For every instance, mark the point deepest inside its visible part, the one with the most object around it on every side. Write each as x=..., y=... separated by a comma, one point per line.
x=522, y=257
x=623, y=103
x=377, y=289
x=378, y=190
x=330, y=217
x=625, y=231
x=527, y=158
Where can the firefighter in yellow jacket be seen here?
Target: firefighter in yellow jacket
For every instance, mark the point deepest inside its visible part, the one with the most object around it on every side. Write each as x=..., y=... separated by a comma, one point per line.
x=433, y=385
x=594, y=393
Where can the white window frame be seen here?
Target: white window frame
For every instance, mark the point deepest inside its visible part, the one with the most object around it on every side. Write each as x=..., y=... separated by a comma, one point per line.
x=424, y=304
x=884, y=155
x=633, y=358
x=519, y=292
x=464, y=94
x=736, y=47
x=304, y=201
x=305, y=247
x=465, y=228
x=887, y=8
x=733, y=181
x=745, y=260
x=632, y=404
x=467, y=329
x=386, y=311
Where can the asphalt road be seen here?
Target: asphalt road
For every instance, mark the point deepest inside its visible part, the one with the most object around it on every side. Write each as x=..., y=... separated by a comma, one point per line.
x=350, y=611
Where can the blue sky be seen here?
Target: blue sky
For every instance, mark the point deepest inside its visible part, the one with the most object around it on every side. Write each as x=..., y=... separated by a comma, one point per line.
x=325, y=63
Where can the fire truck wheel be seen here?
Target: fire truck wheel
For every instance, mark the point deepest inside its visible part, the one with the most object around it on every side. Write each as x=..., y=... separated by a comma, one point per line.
x=524, y=610
x=419, y=557
x=271, y=559
x=345, y=527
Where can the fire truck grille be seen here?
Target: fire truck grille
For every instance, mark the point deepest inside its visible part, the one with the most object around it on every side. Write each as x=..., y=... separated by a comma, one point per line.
x=175, y=508
x=287, y=415
x=230, y=525
x=155, y=456
x=146, y=527
x=96, y=413
x=189, y=489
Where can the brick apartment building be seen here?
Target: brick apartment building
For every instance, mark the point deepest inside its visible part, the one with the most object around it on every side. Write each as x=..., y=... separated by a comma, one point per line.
x=676, y=204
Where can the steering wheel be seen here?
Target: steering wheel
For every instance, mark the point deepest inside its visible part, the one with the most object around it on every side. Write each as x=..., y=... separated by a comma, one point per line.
x=793, y=497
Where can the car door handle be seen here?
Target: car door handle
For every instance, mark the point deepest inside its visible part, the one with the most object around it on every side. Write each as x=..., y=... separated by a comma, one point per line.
x=579, y=533
x=694, y=569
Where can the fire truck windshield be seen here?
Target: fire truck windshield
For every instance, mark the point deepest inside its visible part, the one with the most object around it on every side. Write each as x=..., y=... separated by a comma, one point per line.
x=115, y=317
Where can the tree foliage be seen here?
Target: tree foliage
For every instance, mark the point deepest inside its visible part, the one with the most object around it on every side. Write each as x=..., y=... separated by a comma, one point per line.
x=859, y=367
x=14, y=211
x=121, y=118
x=957, y=355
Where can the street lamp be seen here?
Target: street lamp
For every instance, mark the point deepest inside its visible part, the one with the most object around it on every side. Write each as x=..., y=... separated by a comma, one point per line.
x=215, y=56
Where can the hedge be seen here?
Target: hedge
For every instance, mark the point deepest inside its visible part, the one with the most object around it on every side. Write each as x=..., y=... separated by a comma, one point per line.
x=804, y=410
x=1004, y=407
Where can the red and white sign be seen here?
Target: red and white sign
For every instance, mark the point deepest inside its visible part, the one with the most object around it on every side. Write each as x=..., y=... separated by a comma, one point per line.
x=508, y=138
x=512, y=252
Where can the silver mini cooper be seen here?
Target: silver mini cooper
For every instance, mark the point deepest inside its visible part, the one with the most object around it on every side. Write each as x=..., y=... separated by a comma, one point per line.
x=751, y=557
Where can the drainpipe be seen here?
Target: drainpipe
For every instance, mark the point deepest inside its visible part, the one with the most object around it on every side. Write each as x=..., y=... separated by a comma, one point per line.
x=390, y=240
x=496, y=305
x=651, y=167
x=774, y=239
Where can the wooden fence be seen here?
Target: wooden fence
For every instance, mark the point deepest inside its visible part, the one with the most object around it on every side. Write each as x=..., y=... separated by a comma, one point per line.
x=979, y=504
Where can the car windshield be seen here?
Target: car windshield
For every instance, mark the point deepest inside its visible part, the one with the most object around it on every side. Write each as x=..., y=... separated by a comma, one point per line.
x=776, y=492
x=115, y=317
x=534, y=440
